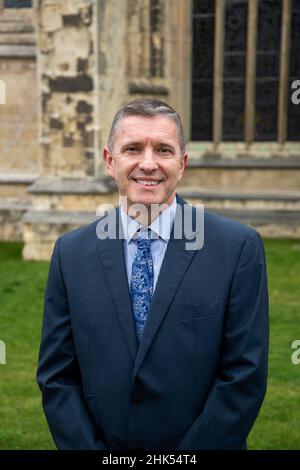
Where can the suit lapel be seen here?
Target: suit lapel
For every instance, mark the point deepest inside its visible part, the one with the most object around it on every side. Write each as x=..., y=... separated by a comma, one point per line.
x=111, y=254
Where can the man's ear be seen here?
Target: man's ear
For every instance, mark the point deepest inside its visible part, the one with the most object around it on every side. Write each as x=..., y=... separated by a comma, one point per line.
x=183, y=162
x=109, y=161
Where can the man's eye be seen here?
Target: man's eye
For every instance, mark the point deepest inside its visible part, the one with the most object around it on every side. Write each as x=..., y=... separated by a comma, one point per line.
x=132, y=149
x=164, y=150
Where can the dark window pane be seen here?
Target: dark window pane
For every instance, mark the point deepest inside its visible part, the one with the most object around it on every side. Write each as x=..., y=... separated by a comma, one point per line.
x=267, y=64
x=295, y=41
x=266, y=105
x=235, y=26
x=202, y=69
x=269, y=25
x=18, y=4
x=234, y=65
x=233, y=110
x=203, y=6
x=203, y=41
x=293, y=118
x=202, y=110
x=235, y=45
x=267, y=69
x=294, y=109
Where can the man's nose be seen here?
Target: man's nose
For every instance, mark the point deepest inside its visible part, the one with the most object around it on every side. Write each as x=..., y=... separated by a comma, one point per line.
x=148, y=162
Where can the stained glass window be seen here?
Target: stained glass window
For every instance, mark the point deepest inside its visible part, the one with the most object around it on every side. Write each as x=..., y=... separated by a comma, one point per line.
x=202, y=69
x=267, y=69
x=267, y=73
x=234, y=73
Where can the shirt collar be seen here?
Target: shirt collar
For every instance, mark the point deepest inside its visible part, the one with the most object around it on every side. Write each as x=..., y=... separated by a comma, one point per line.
x=161, y=225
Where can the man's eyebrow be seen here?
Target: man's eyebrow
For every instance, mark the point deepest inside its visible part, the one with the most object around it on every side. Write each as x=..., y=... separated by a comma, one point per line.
x=165, y=144
x=131, y=142
x=140, y=143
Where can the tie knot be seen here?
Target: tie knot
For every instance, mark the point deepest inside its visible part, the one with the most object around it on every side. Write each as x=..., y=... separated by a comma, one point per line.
x=144, y=238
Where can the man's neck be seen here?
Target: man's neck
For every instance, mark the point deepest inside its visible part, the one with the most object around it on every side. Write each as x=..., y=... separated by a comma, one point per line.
x=143, y=214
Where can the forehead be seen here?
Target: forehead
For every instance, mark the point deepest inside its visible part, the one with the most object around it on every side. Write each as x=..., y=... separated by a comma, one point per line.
x=147, y=127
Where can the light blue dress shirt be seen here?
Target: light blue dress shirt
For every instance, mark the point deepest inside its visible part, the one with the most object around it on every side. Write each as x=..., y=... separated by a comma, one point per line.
x=161, y=228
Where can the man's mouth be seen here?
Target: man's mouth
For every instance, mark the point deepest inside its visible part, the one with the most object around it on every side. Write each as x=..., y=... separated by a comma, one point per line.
x=147, y=182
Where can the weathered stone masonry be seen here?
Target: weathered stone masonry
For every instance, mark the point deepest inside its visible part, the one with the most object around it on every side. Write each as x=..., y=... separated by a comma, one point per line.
x=70, y=65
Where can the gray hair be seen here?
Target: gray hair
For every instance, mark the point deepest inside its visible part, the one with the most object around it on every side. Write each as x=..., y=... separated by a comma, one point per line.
x=147, y=107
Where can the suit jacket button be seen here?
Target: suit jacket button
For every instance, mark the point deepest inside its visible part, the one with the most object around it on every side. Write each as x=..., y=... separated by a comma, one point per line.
x=137, y=401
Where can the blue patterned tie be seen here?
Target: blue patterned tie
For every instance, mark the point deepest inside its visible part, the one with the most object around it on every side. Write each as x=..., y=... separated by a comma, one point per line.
x=141, y=284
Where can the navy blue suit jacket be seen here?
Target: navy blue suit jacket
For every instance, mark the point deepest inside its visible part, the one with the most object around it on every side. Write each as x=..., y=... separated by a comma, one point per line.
x=198, y=379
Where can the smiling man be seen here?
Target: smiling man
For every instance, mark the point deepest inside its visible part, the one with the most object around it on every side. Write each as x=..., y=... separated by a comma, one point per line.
x=146, y=155
x=146, y=344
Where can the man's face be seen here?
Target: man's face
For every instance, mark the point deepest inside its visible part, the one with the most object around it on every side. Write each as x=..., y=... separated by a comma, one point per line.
x=146, y=161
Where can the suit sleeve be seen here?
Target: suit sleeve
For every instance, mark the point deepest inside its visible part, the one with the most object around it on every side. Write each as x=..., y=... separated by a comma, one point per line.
x=240, y=386
x=58, y=374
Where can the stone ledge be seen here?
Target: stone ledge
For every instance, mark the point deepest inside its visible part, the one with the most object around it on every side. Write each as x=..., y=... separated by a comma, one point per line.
x=261, y=217
x=17, y=15
x=59, y=217
x=232, y=150
x=246, y=163
x=19, y=40
x=194, y=193
x=17, y=50
x=13, y=207
x=17, y=178
x=7, y=27
x=55, y=185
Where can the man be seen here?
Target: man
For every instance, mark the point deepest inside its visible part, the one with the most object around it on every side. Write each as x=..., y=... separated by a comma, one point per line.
x=147, y=343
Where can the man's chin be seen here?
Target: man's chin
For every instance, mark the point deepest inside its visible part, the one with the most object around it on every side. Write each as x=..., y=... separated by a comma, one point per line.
x=149, y=201
x=146, y=200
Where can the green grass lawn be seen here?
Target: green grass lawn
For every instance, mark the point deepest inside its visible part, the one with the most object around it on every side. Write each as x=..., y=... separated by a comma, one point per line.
x=22, y=283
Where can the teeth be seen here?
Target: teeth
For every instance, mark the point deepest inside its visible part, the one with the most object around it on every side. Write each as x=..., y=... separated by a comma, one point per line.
x=147, y=183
